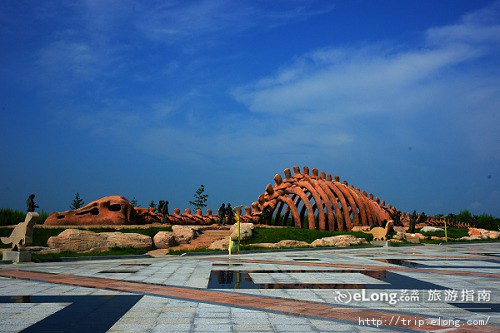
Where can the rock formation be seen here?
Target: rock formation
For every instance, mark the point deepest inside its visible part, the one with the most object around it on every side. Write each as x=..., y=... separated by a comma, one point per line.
x=83, y=240
x=164, y=239
x=338, y=241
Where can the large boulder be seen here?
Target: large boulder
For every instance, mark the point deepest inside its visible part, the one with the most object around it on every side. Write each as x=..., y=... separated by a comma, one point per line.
x=281, y=244
x=493, y=234
x=221, y=244
x=184, y=234
x=338, y=241
x=292, y=243
x=264, y=245
x=83, y=240
x=164, y=240
x=471, y=238
x=415, y=235
x=127, y=240
x=430, y=229
x=483, y=233
x=246, y=230
x=478, y=233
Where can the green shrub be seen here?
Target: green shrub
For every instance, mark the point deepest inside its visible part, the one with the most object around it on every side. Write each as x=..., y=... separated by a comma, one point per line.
x=488, y=222
x=12, y=217
x=465, y=216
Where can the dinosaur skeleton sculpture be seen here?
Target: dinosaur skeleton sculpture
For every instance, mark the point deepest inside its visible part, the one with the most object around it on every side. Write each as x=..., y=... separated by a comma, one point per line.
x=324, y=202
x=328, y=203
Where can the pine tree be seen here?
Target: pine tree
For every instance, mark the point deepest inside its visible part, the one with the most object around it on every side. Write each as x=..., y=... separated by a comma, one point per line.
x=134, y=202
x=77, y=202
x=200, y=199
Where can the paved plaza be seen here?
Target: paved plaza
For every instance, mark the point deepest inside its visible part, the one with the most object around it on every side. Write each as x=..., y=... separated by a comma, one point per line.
x=431, y=288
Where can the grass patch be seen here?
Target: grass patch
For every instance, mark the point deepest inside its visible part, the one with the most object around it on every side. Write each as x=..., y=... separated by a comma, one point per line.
x=274, y=235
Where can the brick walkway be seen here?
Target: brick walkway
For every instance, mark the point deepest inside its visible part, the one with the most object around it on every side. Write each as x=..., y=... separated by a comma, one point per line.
x=184, y=281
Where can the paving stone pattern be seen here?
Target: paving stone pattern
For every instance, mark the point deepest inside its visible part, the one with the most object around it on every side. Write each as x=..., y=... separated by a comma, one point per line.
x=171, y=294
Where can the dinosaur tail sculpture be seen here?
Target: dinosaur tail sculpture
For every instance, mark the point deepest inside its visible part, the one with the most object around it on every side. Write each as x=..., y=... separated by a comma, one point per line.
x=6, y=240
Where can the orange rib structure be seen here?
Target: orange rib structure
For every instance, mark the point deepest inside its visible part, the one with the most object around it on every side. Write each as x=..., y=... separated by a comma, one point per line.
x=319, y=202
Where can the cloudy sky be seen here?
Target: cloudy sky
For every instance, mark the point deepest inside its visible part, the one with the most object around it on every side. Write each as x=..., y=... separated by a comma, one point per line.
x=151, y=99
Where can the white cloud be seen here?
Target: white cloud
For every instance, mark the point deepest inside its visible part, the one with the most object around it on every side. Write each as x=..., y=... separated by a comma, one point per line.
x=173, y=21
x=363, y=80
x=64, y=57
x=374, y=88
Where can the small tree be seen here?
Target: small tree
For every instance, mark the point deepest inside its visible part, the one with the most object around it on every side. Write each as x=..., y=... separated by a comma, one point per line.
x=77, y=202
x=134, y=202
x=200, y=199
x=465, y=216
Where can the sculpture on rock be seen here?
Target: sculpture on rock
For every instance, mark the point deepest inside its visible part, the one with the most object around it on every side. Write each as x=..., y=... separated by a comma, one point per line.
x=112, y=210
x=22, y=235
x=31, y=203
x=318, y=200
x=163, y=209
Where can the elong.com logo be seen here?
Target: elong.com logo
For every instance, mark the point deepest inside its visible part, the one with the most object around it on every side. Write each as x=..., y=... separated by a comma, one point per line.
x=392, y=298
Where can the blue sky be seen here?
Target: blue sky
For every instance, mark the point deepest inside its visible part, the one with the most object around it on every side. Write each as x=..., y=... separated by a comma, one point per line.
x=150, y=99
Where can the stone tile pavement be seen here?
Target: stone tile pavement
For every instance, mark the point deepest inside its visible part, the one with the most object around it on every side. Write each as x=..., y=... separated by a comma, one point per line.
x=432, y=288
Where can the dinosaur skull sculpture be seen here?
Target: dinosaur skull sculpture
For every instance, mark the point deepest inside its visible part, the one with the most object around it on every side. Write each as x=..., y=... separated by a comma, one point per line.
x=108, y=210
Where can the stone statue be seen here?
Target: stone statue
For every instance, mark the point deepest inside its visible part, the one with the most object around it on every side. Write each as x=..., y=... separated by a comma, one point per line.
x=31, y=203
x=422, y=218
x=163, y=209
x=222, y=214
x=230, y=214
x=22, y=235
x=379, y=233
x=413, y=222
